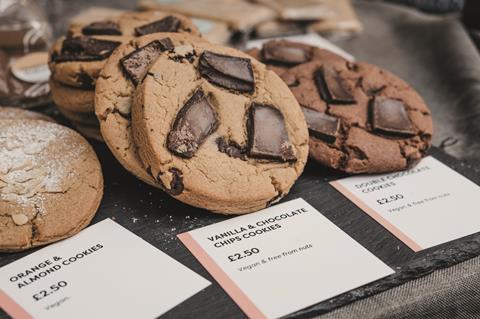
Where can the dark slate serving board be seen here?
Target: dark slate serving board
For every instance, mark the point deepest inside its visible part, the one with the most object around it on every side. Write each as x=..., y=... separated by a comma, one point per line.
x=157, y=218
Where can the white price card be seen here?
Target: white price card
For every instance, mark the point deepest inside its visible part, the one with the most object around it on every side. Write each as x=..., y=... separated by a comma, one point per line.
x=425, y=206
x=105, y=271
x=282, y=259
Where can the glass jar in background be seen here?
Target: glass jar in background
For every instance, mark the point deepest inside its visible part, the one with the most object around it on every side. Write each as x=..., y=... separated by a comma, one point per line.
x=25, y=37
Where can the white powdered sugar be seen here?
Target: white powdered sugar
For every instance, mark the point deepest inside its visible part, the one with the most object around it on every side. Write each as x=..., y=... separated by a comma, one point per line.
x=35, y=158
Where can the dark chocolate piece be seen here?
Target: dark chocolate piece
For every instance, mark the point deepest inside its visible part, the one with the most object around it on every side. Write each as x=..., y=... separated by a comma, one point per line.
x=230, y=72
x=331, y=86
x=83, y=48
x=231, y=148
x=194, y=123
x=274, y=51
x=176, y=184
x=267, y=135
x=85, y=80
x=102, y=28
x=390, y=117
x=321, y=125
x=167, y=24
x=137, y=63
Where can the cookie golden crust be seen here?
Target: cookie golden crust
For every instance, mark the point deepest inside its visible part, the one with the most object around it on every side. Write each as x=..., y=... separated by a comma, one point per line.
x=51, y=183
x=114, y=96
x=72, y=99
x=362, y=119
x=98, y=40
x=15, y=113
x=218, y=130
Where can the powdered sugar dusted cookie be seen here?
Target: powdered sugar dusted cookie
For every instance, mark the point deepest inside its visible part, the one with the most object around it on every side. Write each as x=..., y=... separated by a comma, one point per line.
x=15, y=113
x=51, y=183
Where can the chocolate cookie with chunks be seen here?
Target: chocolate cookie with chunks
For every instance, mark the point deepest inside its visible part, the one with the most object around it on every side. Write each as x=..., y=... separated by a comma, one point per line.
x=282, y=55
x=218, y=130
x=361, y=118
x=76, y=60
x=115, y=88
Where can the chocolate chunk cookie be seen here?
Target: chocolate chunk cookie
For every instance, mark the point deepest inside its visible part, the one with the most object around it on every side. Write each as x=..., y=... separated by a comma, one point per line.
x=115, y=87
x=282, y=55
x=51, y=183
x=76, y=60
x=361, y=119
x=217, y=130
x=72, y=99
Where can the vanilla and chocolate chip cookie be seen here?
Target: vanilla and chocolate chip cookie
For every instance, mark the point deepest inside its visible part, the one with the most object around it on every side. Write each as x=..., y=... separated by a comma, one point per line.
x=115, y=88
x=217, y=130
x=51, y=183
x=362, y=119
x=76, y=60
x=71, y=98
x=282, y=55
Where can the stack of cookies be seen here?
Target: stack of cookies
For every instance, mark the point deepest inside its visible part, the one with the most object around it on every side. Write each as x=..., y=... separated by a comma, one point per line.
x=361, y=118
x=51, y=181
x=216, y=128
x=77, y=58
x=207, y=124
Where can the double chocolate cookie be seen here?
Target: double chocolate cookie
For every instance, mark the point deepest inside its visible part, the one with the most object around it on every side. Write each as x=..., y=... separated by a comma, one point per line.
x=115, y=88
x=362, y=119
x=282, y=55
x=51, y=183
x=218, y=130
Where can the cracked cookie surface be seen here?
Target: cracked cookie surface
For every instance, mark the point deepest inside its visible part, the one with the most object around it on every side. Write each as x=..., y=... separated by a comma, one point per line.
x=115, y=89
x=218, y=130
x=51, y=183
x=361, y=118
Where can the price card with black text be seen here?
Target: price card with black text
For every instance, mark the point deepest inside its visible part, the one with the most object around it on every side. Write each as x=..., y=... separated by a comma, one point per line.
x=105, y=271
x=282, y=259
x=425, y=206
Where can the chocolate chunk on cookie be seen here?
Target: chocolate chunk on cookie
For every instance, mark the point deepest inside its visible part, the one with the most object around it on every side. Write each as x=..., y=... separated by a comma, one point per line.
x=102, y=28
x=332, y=87
x=167, y=24
x=321, y=125
x=230, y=72
x=390, y=117
x=282, y=55
x=84, y=48
x=231, y=148
x=136, y=64
x=194, y=123
x=267, y=135
x=279, y=52
x=361, y=119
